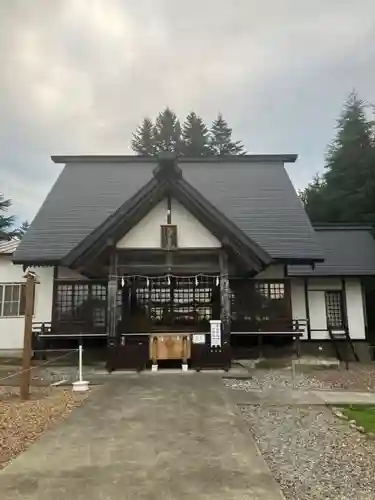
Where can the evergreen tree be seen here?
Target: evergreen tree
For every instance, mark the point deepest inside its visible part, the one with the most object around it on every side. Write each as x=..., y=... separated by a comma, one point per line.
x=195, y=137
x=346, y=191
x=221, y=142
x=143, y=141
x=6, y=221
x=314, y=196
x=21, y=231
x=167, y=132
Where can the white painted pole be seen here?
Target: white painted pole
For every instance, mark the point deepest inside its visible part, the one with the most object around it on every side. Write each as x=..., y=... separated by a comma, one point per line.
x=80, y=385
x=80, y=362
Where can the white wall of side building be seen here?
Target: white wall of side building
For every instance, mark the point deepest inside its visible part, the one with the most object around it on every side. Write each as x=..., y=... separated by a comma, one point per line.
x=297, y=291
x=355, y=301
x=12, y=328
x=317, y=287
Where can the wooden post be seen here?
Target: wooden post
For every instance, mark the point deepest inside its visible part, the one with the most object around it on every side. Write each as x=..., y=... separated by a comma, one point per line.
x=225, y=298
x=111, y=326
x=27, y=337
x=184, y=350
x=112, y=300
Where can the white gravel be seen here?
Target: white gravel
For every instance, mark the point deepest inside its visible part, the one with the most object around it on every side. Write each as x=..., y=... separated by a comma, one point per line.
x=273, y=379
x=312, y=453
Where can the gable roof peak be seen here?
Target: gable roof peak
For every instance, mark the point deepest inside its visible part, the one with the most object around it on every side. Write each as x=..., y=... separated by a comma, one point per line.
x=167, y=168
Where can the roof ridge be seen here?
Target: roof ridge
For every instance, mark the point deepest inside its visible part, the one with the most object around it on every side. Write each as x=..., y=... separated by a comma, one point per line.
x=275, y=158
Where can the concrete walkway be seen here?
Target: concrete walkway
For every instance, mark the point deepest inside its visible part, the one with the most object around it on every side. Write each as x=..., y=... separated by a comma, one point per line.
x=296, y=397
x=168, y=437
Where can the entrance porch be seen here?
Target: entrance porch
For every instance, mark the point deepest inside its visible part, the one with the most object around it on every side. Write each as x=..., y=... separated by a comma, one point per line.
x=186, y=307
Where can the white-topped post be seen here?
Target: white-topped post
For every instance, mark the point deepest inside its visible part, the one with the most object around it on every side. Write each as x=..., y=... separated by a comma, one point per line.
x=80, y=385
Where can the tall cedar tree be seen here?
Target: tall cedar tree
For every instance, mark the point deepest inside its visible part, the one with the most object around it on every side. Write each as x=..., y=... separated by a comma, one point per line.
x=195, y=137
x=6, y=221
x=346, y=191
x=143, y=141
x=221, y=142
x=167, y=132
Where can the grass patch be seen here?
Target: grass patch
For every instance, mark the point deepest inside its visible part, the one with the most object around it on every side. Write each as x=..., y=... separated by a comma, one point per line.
x=363, y=415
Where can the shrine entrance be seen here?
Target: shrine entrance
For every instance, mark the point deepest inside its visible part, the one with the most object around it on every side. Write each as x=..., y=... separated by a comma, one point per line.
x=161, y=305
x=171, y=311
x=168, y=304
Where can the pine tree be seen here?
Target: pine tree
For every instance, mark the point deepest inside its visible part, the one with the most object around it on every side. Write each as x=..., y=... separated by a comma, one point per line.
x=221, y=142
x=314, y=196
x=143, y=141
x=346, y=192
x=6, y=222
x=167, y=132
x=22, y=230
x=195, y=137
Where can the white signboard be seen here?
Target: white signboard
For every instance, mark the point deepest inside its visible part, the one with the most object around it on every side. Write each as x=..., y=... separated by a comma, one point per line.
x=215, y=333
x=199, y=338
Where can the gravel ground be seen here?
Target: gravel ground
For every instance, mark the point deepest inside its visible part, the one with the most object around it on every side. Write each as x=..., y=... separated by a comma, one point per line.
x=358, y=378
x=21, y=423
x=312, y=454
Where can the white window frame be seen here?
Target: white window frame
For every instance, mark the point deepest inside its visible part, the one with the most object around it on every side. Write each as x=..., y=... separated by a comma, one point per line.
x=2, y=301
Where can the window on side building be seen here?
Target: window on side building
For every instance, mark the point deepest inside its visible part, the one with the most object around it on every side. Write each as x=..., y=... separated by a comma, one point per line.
x=335, y=309
x=12, y=299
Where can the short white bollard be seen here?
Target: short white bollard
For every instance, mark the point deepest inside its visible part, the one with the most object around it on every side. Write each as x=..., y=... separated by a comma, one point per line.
x=154, y=368
x=80, y=385
x=185, y=367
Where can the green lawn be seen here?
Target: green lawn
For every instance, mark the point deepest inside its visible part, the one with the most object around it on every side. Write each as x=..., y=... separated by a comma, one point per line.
x=363, y=415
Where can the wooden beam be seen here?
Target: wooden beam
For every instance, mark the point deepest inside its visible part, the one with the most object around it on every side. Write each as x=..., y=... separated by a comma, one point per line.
x=27, y=337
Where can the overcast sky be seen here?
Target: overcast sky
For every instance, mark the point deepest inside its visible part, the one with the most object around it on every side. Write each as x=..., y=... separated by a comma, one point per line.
x=79, y=75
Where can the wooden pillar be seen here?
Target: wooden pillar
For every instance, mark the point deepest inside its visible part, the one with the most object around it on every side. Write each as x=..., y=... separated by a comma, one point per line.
x=306, y=291
x=27, y=338
x=112, y=301
x=224, y=297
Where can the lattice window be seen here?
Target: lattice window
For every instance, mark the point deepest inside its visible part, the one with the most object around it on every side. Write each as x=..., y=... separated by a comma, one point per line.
x=142, y=291
x=99, y=301
x=262, y=289
x=81, y=301
x=12, y=299
x=260, y=305
x=334, y=309
x=183, y=291
x=64, y=301
x=80, y=297
x=276, y=291
x=273, y=291
x=175, y=300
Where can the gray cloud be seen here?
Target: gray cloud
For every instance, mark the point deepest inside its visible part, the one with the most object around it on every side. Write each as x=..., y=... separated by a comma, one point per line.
x=79, y=75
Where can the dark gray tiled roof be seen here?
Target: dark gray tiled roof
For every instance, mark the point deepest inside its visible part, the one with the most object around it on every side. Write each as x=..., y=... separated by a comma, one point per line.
x=257, y=196
x=260, y=199
x=348, y=251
